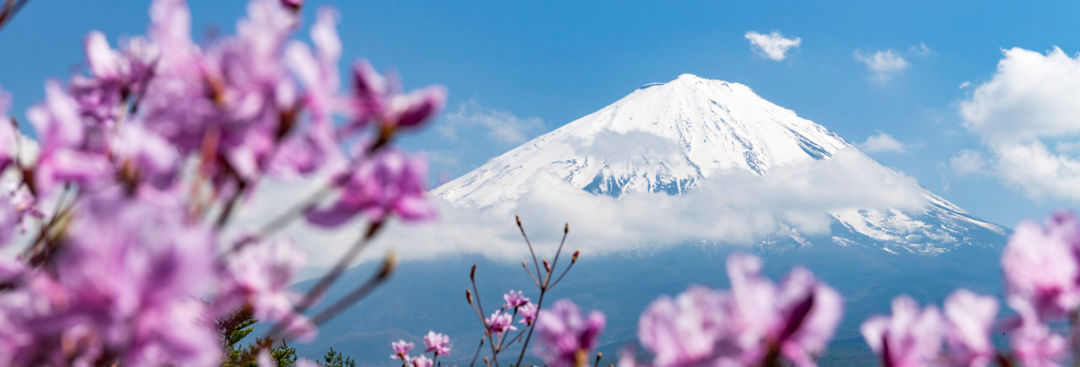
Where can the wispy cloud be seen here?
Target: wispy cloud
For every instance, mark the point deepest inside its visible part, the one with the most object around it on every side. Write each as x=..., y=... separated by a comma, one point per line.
x=773, y=45
x=882, y=142
x=882, y=65
x=498, y=126
x=967, y=162
x=920, y=50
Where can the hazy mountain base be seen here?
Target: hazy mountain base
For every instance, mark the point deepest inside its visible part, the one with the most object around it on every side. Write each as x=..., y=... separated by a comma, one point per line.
x=429, y=295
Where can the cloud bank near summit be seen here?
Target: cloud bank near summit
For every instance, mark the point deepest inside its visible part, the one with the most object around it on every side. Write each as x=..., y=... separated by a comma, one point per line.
x=736, y=207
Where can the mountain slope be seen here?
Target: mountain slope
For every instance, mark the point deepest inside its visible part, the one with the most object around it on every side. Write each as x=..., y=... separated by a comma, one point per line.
x=671, y=137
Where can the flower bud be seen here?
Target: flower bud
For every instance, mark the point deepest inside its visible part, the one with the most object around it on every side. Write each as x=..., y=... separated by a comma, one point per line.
x=468, y=296
x=574, y=258
x=388, y=265
x=472, y=273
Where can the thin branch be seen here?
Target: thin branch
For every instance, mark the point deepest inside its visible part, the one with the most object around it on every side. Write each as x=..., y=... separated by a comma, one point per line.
x=339, y=268
x=481, y=346
x=530, y=273
x=572, y=262
x=543, y=291
x=566, y=230
x=355, y=296
x=227, y=210
x=527, y=242
x=481, y=313
x=10, y=8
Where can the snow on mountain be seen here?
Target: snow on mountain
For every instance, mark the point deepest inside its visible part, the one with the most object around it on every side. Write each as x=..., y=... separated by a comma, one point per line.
x=671, y=137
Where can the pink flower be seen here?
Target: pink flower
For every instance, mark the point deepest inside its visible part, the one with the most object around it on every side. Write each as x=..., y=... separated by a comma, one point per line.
x=739, y=327
x=422, y=361
x=809, y=312
x=1032, y=341
x=319, y=72
x=387, y=183
x=970, y=318
x=528, y=313
x=565, y=334
x=515, y=299
x=379, y=98
x=149, y=157
x=259, y=276
x=114, y=76
x=126, y=283
x=293, y=4
x=438, y=343
x=1040, y=264
x=909, y=338
x=686, y=330
x=401, y=350
x=500, y=322
x=62, y=137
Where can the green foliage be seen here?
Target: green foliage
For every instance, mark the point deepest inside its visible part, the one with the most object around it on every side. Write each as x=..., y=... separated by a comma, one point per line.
x=335, y=359
x=233, y=328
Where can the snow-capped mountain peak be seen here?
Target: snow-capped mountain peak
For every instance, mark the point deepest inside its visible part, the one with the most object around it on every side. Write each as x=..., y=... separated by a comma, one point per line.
x=661, y=137
x=670, y=137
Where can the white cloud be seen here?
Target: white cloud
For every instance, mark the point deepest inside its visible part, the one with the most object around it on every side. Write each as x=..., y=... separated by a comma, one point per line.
x=883, y=65
x=501, y=126
x=968, y=161
x=1032, y=95
x=965, y=84
x=1030, y=102
x=882, y=142
x=773, y=45
x=1040, y=174
x=920, y=50
x=742, y=208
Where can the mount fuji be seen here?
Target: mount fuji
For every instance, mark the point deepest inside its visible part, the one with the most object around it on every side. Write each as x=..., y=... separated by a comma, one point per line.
x=672, y=137
x=672, y=141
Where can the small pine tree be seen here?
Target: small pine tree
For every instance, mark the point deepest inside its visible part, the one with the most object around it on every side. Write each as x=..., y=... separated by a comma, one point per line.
x=234, y=328
x=335, y=359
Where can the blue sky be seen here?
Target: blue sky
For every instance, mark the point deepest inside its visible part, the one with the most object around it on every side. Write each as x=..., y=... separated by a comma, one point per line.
x=548, y=63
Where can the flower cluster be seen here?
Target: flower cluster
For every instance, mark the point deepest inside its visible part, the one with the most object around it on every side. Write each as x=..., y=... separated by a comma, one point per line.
x=145, y=157
x=755, y=322
x=437, y=344
x=566, y=337
x=1041, y=266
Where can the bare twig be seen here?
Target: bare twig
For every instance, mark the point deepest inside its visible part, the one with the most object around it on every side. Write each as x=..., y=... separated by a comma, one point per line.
x=543, y=289
x=481, y=346
x=355, y=296
x=339, y=268
x=480, y=312
x=9, y=9
x=530, y=273
x=573, y=260
x=527, y=242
